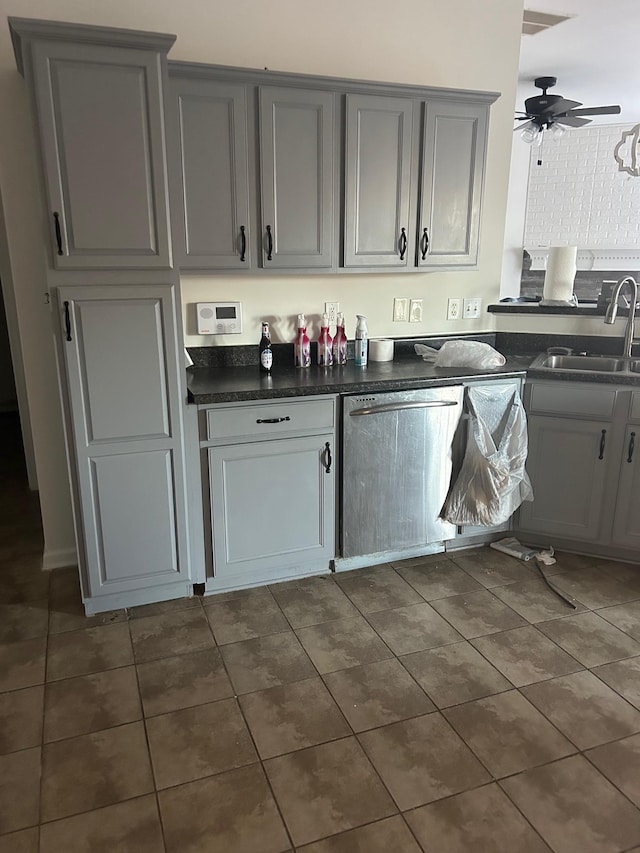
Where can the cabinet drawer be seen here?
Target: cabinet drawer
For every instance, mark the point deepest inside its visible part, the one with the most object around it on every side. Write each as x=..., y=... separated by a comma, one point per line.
x=269, y=419
x=584, y=401
x=634, y=412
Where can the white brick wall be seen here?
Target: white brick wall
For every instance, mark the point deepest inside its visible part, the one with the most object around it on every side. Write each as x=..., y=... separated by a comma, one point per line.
x=577, y=197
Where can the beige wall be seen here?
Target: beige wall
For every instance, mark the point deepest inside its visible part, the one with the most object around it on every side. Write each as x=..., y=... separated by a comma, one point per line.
x=459, y=44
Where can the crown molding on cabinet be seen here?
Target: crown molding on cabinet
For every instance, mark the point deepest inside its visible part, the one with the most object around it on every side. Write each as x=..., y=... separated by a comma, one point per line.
x=25, y=29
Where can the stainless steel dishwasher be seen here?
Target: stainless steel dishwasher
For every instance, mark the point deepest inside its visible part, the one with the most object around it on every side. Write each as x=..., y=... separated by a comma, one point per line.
x=397, y=468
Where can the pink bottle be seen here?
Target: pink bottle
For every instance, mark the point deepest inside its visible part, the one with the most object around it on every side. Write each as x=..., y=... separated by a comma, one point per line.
x=340, y=342
x=302, y=345
x=325, y=353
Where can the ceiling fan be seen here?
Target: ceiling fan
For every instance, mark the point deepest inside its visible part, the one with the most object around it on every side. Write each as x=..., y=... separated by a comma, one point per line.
x=553, y=112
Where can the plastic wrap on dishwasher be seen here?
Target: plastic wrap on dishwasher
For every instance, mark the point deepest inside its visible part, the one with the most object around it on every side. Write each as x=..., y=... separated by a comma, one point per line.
x=492, y=482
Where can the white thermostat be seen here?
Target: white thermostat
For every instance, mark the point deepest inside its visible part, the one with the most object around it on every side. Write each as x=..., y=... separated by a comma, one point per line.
x=219, y=318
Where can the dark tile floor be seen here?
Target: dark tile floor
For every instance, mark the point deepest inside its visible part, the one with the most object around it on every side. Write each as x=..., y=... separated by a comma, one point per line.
x=444, y=704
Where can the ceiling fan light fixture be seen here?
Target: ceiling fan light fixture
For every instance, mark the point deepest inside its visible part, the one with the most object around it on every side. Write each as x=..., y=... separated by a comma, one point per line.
x=531, y=134
x=558, y=130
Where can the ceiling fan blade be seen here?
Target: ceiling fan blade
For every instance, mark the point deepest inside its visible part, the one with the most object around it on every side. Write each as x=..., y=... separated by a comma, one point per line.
x=522, y=118
x=558, y=107
x=612, y=110
x=522, y=127
x=572, y=121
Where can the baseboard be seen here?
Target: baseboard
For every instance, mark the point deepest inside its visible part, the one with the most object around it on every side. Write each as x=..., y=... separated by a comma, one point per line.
x=59, y=558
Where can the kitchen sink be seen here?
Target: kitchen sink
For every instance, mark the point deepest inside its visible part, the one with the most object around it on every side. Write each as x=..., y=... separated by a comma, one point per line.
x=592, y=363
x=587, y=364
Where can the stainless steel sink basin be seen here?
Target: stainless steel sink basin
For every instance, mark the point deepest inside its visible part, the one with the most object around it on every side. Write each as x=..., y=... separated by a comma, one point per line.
x=592, y=363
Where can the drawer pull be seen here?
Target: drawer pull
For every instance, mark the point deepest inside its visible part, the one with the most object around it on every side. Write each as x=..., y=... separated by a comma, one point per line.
x=425, y=243
x=403, y=243
x=272, y=420
x=67, y=322
x=328, y=460
x=243, y=244
x=56, y=223
x=603, y=441
x=269, y=243
x=632, y=446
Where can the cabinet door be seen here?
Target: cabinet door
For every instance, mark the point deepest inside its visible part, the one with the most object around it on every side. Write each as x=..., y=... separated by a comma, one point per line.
x=272, y=506
x=626, y=525
x=452, y=177
x=568, y=463
x=210, y=172
x=296, y=167
x=123, y=381
x=102, y=136
x=378, y=175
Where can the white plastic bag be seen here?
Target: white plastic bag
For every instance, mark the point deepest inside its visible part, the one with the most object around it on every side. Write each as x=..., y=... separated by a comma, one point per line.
x=492, y=482
x=461, y=354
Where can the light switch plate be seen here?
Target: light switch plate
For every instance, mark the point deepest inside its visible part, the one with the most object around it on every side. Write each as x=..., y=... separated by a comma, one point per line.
x=400, y=309
x=471, y=308
x=415, y=311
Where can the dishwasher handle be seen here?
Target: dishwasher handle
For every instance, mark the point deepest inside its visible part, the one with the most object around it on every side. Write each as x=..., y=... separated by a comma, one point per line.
x=398, y=407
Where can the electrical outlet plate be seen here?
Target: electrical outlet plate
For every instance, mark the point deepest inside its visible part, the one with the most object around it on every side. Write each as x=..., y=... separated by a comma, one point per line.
x=331, y=310
x=471, y=308
x=454, y=309
x=400, y=309
x=415, y=311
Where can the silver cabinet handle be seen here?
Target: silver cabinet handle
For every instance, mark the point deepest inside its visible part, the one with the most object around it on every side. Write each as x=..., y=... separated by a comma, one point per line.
x=398, y=407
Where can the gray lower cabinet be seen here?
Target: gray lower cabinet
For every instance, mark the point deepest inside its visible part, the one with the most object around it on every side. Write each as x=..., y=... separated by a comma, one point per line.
x=378, y=171
x=271, y=472
x=296, y=178
x=209, y=155
x=455, y=138
x=583, y=467
x=126, y=434
x=568, y=466
x=101, y=122
x=626, y=526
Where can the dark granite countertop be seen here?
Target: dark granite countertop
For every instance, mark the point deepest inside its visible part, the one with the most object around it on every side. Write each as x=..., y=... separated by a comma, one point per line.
x=234, y=384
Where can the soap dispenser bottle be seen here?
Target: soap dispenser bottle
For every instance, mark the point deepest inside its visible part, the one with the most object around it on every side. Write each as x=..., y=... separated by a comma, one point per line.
x=302, y=345
x=362, y=342
x=340, y=342
x=325, y=354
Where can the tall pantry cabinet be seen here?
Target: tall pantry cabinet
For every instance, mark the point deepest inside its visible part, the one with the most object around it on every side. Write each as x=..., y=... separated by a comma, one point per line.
x=98, y=98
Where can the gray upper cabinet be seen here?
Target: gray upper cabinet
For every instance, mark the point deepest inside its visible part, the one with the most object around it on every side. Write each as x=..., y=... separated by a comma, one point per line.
x=454, y=147
x=209, y=171
x=297, y=177
x=123, y=376
x=100, y=113
x=378, y=171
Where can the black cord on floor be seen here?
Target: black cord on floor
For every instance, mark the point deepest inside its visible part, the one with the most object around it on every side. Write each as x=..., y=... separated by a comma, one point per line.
x=561, y=595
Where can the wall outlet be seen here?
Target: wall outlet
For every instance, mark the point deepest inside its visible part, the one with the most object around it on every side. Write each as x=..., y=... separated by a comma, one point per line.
x=415, y=311
x=400, y=309
x=471, y=308
x=331, y=310
x=454, y=309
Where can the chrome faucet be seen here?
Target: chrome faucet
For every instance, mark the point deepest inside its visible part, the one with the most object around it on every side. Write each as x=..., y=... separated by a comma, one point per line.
x=612, y=310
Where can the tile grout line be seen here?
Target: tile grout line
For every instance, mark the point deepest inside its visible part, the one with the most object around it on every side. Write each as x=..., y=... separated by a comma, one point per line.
x=146, y=737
